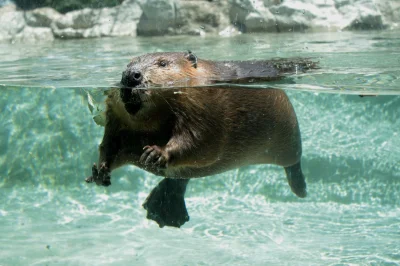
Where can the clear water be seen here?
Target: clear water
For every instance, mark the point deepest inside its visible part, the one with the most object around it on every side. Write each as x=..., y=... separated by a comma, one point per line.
x=351, y=159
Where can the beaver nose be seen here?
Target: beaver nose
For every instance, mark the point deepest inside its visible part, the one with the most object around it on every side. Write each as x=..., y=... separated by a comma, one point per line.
x=131, y=78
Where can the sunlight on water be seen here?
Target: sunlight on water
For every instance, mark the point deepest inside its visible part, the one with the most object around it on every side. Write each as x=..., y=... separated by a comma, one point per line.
x=248, y=216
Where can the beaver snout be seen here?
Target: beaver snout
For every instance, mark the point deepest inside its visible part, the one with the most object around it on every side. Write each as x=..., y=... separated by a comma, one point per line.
x=131, y=77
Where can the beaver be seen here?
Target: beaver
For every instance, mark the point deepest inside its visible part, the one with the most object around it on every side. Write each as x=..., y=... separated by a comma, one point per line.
x=177, y=116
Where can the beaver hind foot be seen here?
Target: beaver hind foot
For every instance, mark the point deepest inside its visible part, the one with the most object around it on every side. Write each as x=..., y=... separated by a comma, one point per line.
x=166, y=204
x=296, y=180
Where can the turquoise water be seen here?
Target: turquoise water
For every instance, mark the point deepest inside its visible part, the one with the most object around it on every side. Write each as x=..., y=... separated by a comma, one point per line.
x=351, y=159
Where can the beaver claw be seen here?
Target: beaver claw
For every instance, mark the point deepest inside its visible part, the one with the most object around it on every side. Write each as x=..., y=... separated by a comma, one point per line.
x=100, y=176
x=153, y=157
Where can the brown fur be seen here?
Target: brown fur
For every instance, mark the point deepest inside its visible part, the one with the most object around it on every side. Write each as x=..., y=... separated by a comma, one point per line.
x=204, y=131
x=193, y=131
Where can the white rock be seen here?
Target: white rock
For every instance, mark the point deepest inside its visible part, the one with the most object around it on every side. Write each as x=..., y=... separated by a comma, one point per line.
x=260, y=22
x=34, y=34
x=311, y=15
x=79, y=19
x=89, y=23
x=41, y=17
x=307, y=15
x=158, y=17
x=11, y=21
x=201, y=18
x=229, y=32
x=360, y=14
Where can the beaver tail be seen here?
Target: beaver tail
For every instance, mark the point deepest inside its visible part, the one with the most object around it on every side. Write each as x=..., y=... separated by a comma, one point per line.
x=262, y=70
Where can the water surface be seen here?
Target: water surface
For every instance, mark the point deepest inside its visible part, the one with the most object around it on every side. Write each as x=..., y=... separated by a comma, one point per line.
x=351, y=155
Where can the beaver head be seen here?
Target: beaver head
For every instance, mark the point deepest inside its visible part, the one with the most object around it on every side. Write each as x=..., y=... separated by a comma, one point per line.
x=156, y=70
x=161, y=70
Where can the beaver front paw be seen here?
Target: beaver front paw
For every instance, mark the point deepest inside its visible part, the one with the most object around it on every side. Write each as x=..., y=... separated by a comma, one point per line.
x=153, y=157
x=100, y=176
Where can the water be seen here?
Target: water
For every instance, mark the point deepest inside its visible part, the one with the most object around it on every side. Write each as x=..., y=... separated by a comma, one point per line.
x=351, y=155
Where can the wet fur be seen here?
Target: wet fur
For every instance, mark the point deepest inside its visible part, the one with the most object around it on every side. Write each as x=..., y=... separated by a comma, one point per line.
x=193, y=132
x=200, y=138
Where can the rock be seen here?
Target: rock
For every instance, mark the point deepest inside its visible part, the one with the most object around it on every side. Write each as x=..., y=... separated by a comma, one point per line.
x=90, y=23
x=390, y=10
x=322, y=15
x=182, y=17
x=366, y=21
x=41, y=17
x=305, y=15
x=239, y=10
x=282, y=16
x=310, y=15
x=260, y=21
x=229, y=31
x=11, y=21
x=176, y=17
x=126, y=19
x=360, y=14
x=268, y=16
x=200, y=18
x=34, y=34
x=6, y=2
x=158, y=18
x=80, y=19
x=65, y=6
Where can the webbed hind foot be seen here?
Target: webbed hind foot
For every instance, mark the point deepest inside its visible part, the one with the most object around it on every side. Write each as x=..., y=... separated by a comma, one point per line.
x=166, y=203
x=296, y=180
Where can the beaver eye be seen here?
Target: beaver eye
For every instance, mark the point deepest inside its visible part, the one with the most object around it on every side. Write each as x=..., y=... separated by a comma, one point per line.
x=163, y=63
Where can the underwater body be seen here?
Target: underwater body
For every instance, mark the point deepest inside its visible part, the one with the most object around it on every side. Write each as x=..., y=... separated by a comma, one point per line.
x=247, y=216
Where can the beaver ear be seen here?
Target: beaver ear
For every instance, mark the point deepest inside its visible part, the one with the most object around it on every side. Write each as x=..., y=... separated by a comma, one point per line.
x=192, y=58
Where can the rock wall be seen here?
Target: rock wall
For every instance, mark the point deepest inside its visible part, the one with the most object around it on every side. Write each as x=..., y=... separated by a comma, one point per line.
x=173, y=17
x=64, y=6
x=177, y=17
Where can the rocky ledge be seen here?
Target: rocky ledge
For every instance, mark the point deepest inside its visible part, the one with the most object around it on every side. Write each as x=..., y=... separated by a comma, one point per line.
x=177, y=17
